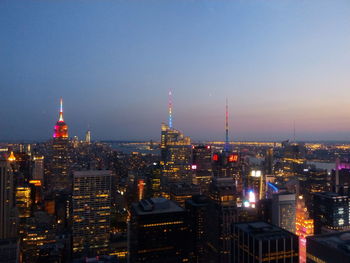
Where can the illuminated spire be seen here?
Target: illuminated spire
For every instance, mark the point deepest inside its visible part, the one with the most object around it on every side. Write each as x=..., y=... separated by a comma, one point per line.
x=12, y=157
x=226, y=128
x=170, y=110
x=61, y=111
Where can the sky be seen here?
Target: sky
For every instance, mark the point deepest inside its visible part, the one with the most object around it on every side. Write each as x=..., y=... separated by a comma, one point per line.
x=113, y=62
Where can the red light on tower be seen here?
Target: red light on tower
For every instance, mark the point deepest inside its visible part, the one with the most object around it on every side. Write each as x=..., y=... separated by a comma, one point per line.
x=215, y=157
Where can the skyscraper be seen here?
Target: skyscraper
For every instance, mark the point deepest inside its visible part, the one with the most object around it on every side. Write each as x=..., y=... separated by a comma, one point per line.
x=304, y=227
x=88, y=137
x=331, y=212
x=197, y=209
x=257, y=242
x=38, y=168
x=202, y=164
x=91, y=212
x=57, y=177
x=329, y=248
x=222, y=213
x=283, y=210
x=158, y=232
x=176, y=152
x=7, y=201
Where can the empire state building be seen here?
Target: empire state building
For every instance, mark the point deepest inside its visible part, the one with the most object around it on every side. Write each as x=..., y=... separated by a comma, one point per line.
x=57, y=179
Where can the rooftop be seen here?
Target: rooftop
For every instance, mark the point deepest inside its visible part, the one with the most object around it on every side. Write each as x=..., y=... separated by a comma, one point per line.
x=339, y=241
x=89, y=173
x=263, y=231
x=156, y=206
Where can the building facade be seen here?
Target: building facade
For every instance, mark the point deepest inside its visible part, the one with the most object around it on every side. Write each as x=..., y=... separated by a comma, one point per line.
x=91, y=212
x=257, y=242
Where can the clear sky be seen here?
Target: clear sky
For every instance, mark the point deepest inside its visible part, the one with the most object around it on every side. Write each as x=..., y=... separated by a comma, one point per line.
x=113, y=63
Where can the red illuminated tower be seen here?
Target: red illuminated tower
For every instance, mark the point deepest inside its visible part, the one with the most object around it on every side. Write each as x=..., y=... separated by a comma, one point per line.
x=57, y=165
x=61, y=128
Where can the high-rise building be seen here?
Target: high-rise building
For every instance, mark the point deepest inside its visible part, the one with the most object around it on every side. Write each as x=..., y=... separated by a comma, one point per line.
x=181, y=192
x=257, y=242
x=9, y=250
x=158, y=232
x=202, y=166
x=91, y=212
x=304, y=227
x=38, y=230
x=256, y=183
x=8, y=215
x=38, y=168
x=269, y=162
x=57, y=177
x=88, y=137
x=226, y=163
x=331, y=212
x=283, y=210
x=222, y=212
x=329, y=248
x=23, y=201
x=176, y=152
x=197, y=209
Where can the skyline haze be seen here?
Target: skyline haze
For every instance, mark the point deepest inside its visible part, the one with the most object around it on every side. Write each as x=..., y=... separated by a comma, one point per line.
x=113, y=63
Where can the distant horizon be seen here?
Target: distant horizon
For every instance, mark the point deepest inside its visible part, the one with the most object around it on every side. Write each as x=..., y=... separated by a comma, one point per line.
x=192, y=141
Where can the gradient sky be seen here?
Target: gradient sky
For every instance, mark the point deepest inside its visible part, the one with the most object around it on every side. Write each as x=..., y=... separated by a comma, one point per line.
x=113, y=63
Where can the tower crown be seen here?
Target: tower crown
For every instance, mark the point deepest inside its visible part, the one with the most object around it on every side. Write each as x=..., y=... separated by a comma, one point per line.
x=61, y=128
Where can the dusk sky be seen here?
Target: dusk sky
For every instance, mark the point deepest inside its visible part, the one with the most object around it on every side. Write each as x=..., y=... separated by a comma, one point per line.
x=113, y=62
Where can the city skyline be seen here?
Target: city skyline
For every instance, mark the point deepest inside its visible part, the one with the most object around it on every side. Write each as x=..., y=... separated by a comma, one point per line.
x=276, y=63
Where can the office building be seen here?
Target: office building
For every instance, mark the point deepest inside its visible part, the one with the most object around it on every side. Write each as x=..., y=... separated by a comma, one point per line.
x=176, y=152
x=222, y=213
x=197, y=209
x=158, y=232
x=202, y=166
x=8, y=215
x=9, y=250
x=328, y=248
x=283, y=210
x=304, y=227
x=37, y=231
x=23, y=201
x=38, y=168
x=256, y=183
x=331, y=212
x=91, y=212
x=259, y=241
x=179, y=193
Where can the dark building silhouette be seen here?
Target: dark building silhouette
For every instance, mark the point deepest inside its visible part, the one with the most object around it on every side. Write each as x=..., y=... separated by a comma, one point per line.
x=158, y=232
x=331, y=212
x=222, y=214
x=262, y=242
x=328, y=248
x=197, y=209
